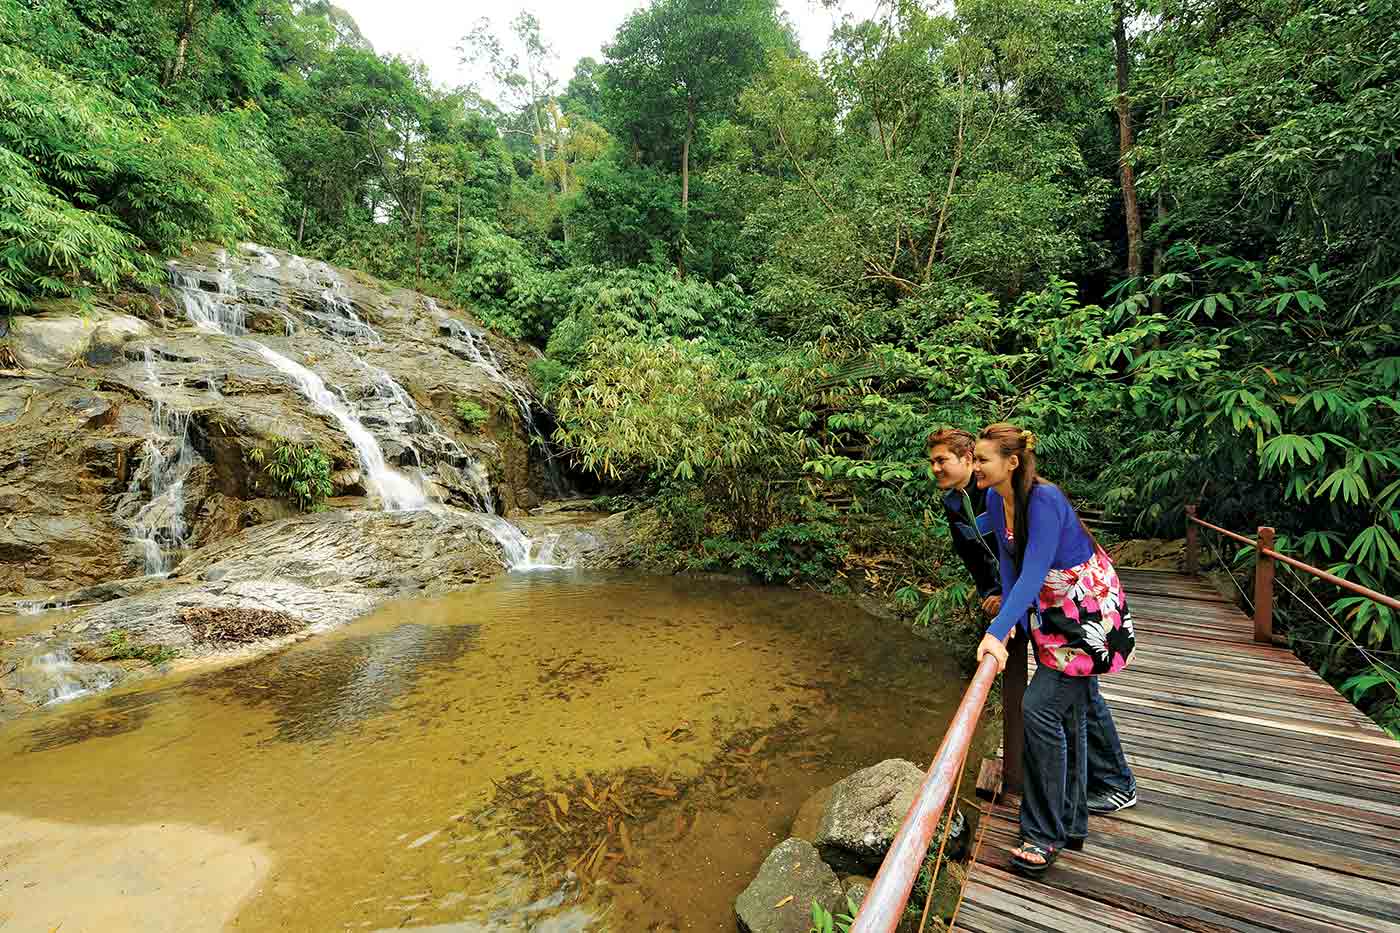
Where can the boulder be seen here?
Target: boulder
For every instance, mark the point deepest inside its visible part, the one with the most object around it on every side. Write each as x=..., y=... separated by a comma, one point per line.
x=62, y=333
x=780, y=897
x=864, y=814
x=51, y=339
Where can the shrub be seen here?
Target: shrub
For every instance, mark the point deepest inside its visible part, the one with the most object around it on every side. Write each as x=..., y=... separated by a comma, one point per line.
x=472, y=415
x=301, y=474
x=92, y=185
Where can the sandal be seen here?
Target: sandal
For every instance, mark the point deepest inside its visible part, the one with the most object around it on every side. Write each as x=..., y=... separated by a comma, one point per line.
x=1034, y=869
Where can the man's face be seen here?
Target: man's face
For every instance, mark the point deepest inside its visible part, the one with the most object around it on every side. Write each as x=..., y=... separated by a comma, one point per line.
x=949, y=470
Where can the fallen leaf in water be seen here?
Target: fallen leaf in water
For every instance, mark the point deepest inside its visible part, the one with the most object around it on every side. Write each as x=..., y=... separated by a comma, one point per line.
x=549, y=807
x=588, y=786
x=784, y=902
x=626, y=840
x=669, y=792
x=563, y=803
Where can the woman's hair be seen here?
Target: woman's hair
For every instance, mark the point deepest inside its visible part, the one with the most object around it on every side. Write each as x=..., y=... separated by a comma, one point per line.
x=1012, y=440
x=958, y=441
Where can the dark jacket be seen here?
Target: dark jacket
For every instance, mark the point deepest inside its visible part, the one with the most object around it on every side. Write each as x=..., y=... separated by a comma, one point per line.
x=973, y=536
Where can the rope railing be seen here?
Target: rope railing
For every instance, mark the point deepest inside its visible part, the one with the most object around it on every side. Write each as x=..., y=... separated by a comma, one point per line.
x=1264, y=569
x=883, y=906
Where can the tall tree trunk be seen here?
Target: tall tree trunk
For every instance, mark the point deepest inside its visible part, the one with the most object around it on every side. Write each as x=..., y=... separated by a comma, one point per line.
x=418, y=243
x=1125, y=140
x=685, y=151
x=1159, y=254
x=186, y=27
x=952, y=177
x=539, y=135
x=457, y=252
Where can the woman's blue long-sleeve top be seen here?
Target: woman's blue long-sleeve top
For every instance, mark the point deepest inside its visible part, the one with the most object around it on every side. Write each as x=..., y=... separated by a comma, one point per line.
x=1057, y=541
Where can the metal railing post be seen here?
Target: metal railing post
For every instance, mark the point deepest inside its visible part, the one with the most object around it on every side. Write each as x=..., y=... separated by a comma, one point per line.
x=1264, y=587
x=1193, y=542
x=1013, y=691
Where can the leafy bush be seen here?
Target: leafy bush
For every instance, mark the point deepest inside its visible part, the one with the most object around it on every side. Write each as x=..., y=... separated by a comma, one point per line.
x=472, y=415
x=800, y=552
x=121, y=648
x=301, y=474
x=91, y=184
x=624, y=215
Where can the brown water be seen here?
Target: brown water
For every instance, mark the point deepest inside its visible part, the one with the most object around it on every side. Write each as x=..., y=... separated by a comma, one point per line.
x=549, y=752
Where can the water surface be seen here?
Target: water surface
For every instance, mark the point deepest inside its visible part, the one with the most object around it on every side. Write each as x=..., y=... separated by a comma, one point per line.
x=547, y=751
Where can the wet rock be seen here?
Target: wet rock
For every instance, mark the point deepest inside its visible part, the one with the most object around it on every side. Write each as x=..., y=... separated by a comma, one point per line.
x=809, y=816
x=61, y=333
x=591, y=539
x=74, y=451
x=305, y=572
x=864, y=814
x=780, y=897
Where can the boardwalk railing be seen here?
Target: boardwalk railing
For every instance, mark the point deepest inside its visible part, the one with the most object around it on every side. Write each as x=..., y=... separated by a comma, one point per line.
x=884, y=904
x=1264, y=571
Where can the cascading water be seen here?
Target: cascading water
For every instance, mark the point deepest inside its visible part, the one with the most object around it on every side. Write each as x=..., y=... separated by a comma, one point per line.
x=54, y=677
x=214, y=312
x=159, y=525
x=224, y=312
x=477, y=351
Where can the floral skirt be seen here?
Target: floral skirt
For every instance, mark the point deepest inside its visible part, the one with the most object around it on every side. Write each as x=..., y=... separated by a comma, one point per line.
x=1082, y=625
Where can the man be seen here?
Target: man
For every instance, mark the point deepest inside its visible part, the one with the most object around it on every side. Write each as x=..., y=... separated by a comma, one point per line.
x=1112, y=786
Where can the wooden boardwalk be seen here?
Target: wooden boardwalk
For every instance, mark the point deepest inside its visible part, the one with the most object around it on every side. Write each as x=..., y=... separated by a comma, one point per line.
x=1267, y=802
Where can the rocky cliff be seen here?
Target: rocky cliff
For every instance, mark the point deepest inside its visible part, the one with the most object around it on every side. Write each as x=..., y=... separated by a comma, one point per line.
x=135, y=438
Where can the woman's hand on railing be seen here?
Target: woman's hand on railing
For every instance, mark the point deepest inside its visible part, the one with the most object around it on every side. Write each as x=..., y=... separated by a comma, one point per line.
x=996, y=648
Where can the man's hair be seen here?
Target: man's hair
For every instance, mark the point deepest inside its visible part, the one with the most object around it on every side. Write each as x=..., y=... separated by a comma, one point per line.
x=958, y=441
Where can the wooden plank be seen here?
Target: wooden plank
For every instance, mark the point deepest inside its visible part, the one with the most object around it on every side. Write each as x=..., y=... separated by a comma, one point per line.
x=1015, y=897
x=989, y=779
x=1123, y=877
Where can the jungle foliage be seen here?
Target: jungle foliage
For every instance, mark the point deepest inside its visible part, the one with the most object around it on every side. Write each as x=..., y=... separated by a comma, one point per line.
x=762, y=279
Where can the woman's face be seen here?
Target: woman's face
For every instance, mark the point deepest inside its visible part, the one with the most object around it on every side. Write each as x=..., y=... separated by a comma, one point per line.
x=949, y=470
x=992, y=468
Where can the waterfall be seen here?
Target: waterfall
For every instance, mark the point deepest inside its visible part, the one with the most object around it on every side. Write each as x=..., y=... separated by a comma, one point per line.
x=477, y=351
x=159, y=525
x=221, y=311
x=212, y=312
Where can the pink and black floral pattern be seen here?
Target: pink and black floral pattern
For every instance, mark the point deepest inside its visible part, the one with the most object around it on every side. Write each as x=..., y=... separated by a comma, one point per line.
x=1082, y=625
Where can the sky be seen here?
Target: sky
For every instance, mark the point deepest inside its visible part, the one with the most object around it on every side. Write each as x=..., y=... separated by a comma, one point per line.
x=430, y=30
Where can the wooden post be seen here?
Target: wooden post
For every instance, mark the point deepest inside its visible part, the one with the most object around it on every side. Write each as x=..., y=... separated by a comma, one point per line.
x=1193, y=542
x=1264, y=588
x=1013, y=690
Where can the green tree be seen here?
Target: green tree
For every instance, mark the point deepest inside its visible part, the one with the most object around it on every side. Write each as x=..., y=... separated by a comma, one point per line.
x=678, y=62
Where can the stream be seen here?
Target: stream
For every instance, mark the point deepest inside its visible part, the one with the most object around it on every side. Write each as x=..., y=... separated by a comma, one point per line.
x=551, y=751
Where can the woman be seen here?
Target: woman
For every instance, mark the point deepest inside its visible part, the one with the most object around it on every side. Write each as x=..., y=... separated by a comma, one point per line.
x=1056, y=580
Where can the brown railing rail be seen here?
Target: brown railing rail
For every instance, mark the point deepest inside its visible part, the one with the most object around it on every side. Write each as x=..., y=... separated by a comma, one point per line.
x=1264, y=571
x=884, y=904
